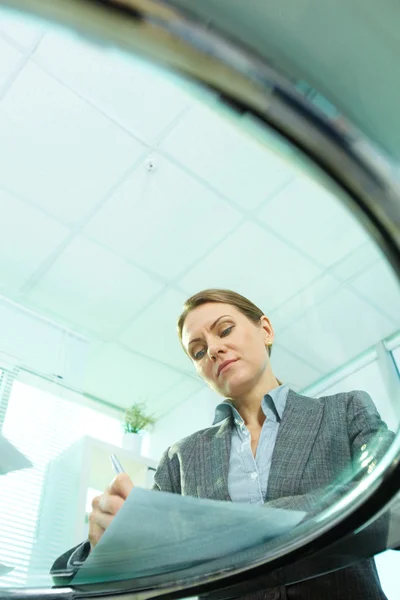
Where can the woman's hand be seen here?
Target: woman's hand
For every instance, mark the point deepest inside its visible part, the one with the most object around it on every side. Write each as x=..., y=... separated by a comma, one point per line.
x=106, y=506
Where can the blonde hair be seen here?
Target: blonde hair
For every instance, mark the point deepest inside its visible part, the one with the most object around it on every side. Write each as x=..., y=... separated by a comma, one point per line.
x=245, y=306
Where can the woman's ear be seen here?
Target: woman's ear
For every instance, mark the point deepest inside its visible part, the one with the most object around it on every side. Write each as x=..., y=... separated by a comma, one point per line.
x=269, y=334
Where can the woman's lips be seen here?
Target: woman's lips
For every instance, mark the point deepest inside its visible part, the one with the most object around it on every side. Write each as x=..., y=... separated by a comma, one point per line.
x=225, y=365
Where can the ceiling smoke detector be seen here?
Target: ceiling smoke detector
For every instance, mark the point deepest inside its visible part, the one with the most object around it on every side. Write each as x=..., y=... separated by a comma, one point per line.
x=150, y=165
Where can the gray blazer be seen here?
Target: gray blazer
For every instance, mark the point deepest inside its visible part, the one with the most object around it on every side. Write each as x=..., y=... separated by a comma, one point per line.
x=317, y=449
x=318, y=445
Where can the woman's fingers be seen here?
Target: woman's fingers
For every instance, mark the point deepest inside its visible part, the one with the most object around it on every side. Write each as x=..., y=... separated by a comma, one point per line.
x=110, y=504
x=97, y=526
x=121, y=486
x=106, y=506
x=100, y=520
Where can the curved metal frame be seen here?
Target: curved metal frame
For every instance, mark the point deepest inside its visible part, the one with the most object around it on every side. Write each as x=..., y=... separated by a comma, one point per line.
x=168, y=37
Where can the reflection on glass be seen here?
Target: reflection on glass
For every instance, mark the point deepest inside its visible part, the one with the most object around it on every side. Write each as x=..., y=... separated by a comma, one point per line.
x=117, y=207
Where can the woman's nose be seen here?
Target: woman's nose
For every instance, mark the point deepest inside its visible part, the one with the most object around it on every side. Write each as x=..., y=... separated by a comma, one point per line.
x=215, y=349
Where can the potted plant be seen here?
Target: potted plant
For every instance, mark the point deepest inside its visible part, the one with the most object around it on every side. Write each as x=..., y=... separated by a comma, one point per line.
x=135, y=422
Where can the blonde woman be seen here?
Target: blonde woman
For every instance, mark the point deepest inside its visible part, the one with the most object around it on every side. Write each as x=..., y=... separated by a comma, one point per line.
x=267, y=445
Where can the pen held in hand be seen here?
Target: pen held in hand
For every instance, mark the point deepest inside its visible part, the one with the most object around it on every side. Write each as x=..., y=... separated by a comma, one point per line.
x=118, y=468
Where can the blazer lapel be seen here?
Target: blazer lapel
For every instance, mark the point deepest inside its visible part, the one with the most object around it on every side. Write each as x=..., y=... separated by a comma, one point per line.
x=213, y=463
x=296, y=436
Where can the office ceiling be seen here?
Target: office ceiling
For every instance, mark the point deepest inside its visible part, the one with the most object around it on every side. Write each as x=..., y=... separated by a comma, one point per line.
x=121, y=194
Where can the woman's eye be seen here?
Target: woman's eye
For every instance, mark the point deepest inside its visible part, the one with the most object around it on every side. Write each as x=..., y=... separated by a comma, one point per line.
x=226, y=331
x=199, y=354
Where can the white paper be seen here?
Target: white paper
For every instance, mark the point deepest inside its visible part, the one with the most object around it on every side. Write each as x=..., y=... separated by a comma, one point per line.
x=158, y=532
x=11, y=459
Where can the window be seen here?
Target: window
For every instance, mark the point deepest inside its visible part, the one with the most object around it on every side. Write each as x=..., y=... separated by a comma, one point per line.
x=41, y=425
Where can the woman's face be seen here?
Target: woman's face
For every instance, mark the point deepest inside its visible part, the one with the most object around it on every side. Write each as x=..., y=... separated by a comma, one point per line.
x=228, y=350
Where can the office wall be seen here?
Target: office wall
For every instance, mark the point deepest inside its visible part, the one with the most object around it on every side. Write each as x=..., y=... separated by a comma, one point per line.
x=388, y=564
x=197, y=412
x=370, y=379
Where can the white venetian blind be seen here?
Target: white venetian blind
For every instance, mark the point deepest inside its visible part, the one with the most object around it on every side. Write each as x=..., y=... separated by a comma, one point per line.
x=41, y=425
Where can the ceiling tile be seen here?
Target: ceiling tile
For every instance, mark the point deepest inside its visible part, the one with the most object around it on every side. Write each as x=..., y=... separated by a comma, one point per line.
x=379, y=286
x=57, y=151
x=124, y=378
x=336, y=331
x=27, y=237
x=9, y=60
x=22, y=29
x=288, y=312
x=164, y=220
x=355, y=262
x=92, y=288
x=228, y=159
x=140, y=97
x=256, y=263
x=153, y=332
x=290, y=369
x=314, y=220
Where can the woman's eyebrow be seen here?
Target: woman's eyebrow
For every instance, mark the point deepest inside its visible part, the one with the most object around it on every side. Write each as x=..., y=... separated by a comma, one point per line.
x=211, y=328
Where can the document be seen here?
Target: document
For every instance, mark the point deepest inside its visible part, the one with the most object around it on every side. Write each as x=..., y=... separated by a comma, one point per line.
x=158, y=532
x=11, y=459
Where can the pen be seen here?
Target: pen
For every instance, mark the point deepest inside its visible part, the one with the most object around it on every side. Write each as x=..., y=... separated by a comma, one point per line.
x=118, y=468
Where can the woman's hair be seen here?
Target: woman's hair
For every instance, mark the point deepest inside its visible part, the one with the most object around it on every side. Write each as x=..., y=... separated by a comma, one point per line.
x=248, y=308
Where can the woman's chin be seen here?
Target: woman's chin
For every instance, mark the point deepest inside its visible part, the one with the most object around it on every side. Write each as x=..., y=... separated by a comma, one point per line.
x=236, y=386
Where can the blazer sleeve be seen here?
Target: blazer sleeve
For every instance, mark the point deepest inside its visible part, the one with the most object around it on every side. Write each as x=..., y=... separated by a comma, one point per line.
x=369, y=439
x=369, y=436
x=166, y=479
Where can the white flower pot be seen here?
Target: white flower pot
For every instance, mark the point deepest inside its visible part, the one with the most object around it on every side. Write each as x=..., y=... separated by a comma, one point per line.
x=132, y=442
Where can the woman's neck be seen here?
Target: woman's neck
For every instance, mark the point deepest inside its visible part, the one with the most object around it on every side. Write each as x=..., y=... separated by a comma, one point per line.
x=249, y=405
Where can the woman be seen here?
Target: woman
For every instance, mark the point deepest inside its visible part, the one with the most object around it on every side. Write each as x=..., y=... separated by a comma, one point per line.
x=268, y=444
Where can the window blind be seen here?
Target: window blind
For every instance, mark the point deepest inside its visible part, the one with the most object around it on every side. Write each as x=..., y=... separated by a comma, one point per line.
x=41, y=425
x=6, y=380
